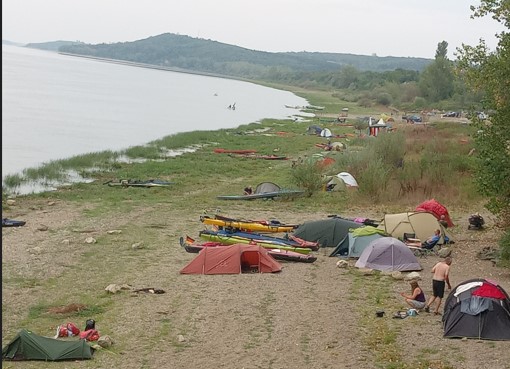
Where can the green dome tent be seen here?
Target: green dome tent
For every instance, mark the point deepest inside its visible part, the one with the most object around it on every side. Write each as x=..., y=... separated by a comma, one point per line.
x=30, y=346
x=327, y=232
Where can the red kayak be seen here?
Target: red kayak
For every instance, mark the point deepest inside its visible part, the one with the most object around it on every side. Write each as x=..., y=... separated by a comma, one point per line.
x=256, y=156
x=226, y=151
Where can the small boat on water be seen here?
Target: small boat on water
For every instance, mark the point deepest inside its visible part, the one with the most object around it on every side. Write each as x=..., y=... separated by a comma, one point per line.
x=6, y=222
x=191, y=246
x=139, y=183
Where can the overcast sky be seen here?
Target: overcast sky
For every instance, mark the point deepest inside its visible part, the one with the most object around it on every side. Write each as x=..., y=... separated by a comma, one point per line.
x=383, y=27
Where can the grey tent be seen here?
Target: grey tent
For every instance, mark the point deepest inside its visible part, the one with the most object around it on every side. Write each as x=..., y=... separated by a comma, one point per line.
x=30, y=346
x=477, y=308
x=266, y=187
x=352, y=246
x=388, y=254
x=327, y=232
x=314, y=130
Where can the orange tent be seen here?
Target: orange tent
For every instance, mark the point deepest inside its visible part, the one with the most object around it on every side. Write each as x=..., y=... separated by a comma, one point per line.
x=233, y=259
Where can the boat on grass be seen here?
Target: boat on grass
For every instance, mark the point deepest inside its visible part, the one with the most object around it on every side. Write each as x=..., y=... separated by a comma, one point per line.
x=191, y=246
x=264, y=195
x=6, y=222
x=260, y=156
x=228, y=151
x=139, y=183
x=292, y=244
x=264, y=190
x=248, y=225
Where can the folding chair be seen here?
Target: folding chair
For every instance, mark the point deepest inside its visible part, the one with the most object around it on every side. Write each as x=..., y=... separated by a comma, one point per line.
x=426, y=249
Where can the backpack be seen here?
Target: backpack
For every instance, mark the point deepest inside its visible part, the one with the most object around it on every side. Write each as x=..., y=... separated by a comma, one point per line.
x=68, y=330
x=89, y=335
x=90, y=324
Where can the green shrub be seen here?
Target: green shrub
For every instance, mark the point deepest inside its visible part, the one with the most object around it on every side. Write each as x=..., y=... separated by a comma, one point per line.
x=504, y=244
x=374, y=180
x=308, y=176
x=389, y=147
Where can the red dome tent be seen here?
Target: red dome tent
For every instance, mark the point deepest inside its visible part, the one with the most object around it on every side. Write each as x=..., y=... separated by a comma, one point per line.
x=233, y=259
x=434, y=207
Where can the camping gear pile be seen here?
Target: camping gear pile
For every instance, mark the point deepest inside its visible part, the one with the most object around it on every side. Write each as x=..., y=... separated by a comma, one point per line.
x=476, y=222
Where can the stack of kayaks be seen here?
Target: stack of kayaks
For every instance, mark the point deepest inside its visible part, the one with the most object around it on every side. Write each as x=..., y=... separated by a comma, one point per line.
x=231, y=231
x=248, y=225
x=190, y=245
x=265, y=241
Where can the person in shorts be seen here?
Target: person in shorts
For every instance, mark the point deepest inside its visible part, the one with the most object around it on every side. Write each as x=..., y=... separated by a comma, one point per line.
x=416, y=299
x=440, y=278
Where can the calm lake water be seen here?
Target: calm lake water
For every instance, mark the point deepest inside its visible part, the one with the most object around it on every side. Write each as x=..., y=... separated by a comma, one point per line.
x=56, y=106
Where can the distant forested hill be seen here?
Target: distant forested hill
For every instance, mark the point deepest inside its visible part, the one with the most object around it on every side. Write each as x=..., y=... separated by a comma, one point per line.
x=195, y=54
x=53, y=46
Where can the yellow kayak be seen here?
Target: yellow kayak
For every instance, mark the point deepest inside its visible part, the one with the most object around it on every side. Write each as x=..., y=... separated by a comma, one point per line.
x=257, y=226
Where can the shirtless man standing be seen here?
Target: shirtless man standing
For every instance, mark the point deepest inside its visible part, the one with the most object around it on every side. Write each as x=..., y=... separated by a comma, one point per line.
x=440, y=278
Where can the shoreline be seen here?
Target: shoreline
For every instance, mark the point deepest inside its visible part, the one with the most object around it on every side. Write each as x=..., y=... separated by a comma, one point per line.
x=154, y=66
x=166, y=118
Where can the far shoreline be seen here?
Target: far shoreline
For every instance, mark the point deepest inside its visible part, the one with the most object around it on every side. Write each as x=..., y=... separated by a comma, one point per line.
x=157, y=67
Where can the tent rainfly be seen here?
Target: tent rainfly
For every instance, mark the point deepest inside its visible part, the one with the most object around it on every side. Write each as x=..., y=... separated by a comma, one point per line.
x=327, y=232
x=437, y=209
x=233, y=259
x=356, y=242
x=388, y=254
x=477, y=308
x=30, y=346
x=422, y=224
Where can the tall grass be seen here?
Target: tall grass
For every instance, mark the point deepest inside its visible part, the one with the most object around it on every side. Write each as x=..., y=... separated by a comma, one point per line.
x=405, y=166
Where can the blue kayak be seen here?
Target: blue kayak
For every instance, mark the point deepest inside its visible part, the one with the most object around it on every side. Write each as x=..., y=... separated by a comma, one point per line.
x=12, y=223
x=225, y=235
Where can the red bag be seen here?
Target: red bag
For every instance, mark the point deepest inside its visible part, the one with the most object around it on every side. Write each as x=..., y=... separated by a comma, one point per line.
x=89, y=335
x=68, y=330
